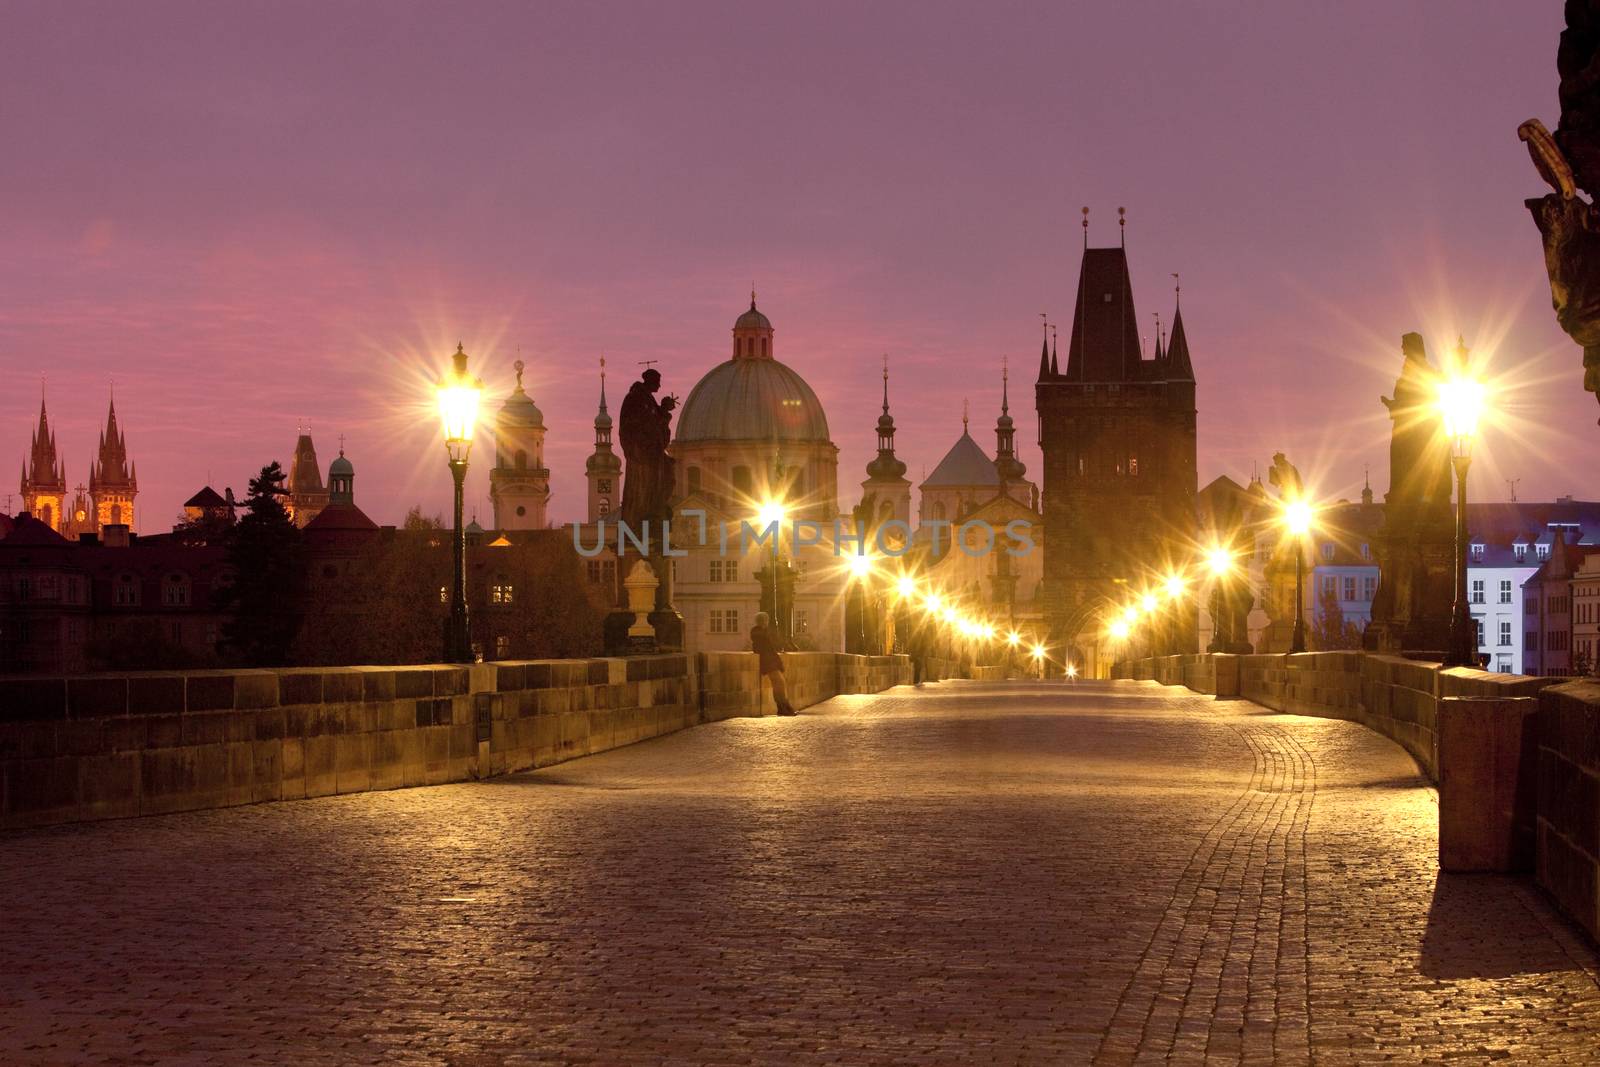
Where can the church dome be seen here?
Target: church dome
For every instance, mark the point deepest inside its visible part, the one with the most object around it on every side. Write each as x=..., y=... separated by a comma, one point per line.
x=752, y=319
x=519, y=409
x=752, y=400
x=338, y=467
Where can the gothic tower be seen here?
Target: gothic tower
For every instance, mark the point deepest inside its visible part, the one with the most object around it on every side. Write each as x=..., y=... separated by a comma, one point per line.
x=1118, y=436
x=519, y=483
x=44, y=476
x=603, y=469
x=113, y=482
x=887, y=487
x=307, y=494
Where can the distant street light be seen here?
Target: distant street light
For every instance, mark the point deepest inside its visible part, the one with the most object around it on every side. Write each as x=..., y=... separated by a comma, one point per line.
x=458, y=394
x=1461, y=403
x=1297, y=519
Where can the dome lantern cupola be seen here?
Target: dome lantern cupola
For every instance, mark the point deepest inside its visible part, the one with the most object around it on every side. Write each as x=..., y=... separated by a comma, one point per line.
x=752, y=334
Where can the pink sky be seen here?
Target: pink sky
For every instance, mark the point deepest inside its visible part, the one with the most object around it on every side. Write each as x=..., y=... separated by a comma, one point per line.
x=252, y=214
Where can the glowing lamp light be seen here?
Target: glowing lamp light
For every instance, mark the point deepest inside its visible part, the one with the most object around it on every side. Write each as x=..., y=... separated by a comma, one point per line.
x=1120, y=630
x=1038, y=652
x=949, y=615
x=1297, y=517
x=1174, y=587
x=458, y=394
x=906, y=587
x=860, y=566
x=770, y=512
x=932, y=602
x=1072, y=670
x=988, y=632
x=1147, y=603
x=1220, y=561
x=1461, y=404
x=1130, y=616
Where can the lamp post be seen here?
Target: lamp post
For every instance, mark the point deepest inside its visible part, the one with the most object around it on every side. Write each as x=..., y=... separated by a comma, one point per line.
x=1297, y=519
x=1220, y=562
x=1460, y=404
x=458, y=394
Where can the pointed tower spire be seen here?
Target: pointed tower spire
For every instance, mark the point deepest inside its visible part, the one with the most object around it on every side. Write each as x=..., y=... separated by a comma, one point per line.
x=1006, y=463
x=886, y=487
x=603, y=468
x=1179, y=368
x=1055, y=367
x=1044, y=347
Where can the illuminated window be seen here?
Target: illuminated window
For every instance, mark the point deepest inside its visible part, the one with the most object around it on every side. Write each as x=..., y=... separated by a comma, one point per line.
x=1477, y=552
x=501, y=591
x=502, y=647
x=444, y=594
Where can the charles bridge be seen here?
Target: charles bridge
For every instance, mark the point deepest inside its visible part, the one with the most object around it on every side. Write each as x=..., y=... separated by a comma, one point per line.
x=1321, y=857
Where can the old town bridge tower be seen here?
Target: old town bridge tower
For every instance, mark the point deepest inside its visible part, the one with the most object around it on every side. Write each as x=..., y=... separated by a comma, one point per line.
x=1118, y=435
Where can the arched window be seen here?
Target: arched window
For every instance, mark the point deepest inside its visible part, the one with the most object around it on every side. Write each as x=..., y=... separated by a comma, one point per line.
x=125, y=591
x=763, y=348
x=694, y=479
x=521, y=460
x=886, y=512
x=175, y=591
x=741, y=479
x=605, y=506
x=938, y=510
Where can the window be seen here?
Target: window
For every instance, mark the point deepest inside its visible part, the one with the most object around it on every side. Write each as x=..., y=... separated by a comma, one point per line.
x=501, y=591
x=175, y=630
x=1350, y=587
x=1531, y=605
x=1541, y=551
x=24, y=588
x=1556, y=641
x=125, y=591
x=444, y=594
x=1330, y=587
x=605, y=507
x=601, y=571
x=1477, y=590
x=502, y=647
x=603, y=485
x=1478, y=624
x=1531, y=644
x=724, y=620
x=1520, y=552
x=1133, y=464
x=1369, y=587
x=799, y=622
x=741, y=480
x=1505, y=635
x=521, y=462
x=1505, y=668
x=694, y=480
x=1327, y=550
x=1366, y=551
x=1477, y=552
x=175, y=591
x=724, y=570
x=1505, y=590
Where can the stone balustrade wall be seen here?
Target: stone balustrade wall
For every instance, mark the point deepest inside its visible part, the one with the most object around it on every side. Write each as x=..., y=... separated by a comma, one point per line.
x=110, y=746
x=1516, y=759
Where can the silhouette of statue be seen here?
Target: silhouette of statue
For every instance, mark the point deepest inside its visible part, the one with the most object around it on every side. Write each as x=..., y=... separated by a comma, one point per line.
x=645, y=429
x=1569, y=161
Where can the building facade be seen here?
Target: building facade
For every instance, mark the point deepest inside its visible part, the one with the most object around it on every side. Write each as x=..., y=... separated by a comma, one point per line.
x=519, y=482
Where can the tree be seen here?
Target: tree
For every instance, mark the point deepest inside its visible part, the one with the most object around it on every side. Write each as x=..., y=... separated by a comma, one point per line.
x=415, y=520
x=1329, y=631
x=267, y=561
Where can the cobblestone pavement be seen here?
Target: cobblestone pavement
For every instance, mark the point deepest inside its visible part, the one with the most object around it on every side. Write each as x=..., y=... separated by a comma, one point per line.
x=976, y=873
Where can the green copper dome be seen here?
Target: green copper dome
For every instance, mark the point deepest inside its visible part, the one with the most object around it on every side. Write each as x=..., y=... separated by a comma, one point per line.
x=752, y=400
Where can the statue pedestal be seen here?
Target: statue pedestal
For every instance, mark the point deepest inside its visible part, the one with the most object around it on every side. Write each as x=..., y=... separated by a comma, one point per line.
x=649, y=624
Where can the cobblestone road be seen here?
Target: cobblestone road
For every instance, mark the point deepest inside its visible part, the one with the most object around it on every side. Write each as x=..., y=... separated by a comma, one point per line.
x=975, y=873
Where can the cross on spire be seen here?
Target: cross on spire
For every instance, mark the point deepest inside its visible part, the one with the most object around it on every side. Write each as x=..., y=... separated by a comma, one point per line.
x=965, y=412
x=1122, y=226
x=886, y=383
x=1086, y=226
x=1005, y=386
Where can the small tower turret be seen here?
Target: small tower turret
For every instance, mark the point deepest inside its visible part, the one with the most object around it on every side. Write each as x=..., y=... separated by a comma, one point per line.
x=886, y=485
x=519, y=483
x=603, y=468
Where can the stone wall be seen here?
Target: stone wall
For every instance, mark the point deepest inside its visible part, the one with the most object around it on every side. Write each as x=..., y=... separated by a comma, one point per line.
x=1516, y=759
x=109, y=746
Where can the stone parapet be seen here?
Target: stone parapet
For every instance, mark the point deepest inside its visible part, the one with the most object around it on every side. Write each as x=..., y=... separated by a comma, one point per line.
x=110, y=746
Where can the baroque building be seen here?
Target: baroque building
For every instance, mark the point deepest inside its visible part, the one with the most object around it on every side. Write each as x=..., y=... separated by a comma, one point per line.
x=519, y=482
x=1118, y=436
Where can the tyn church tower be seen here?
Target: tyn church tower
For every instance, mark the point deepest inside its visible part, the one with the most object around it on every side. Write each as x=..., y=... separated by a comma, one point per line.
x=1118, y=436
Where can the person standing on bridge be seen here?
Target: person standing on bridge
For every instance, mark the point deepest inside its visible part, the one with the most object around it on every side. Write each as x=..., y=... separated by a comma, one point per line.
x=770, y=663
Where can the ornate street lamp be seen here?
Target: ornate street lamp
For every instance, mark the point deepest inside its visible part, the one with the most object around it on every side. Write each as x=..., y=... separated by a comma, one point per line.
x=1297, y=516
x=1460, y=405
x=458, y=394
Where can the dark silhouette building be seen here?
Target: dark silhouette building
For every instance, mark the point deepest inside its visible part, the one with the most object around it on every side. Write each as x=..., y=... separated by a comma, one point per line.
x=1118, y=435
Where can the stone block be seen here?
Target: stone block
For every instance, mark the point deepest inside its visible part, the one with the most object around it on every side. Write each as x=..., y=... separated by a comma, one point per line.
x=344, y=686
x=353, y=763
x=93, y=696
x=451, y=681
x=32, y=699
x=205, y=728
x=163, y=731
x=1487, y=759
x=81, y=738
x=155, y=694
x=377, y=684
x=241, y=771
x=269, y=724
x=300, y=687
x=108, y=786
x=34, y=786
x=266, y=777
x=320, y=766
x=208, y=691
x=410, y=684
x=293, y=760
x=510, y=677
x=255, y=689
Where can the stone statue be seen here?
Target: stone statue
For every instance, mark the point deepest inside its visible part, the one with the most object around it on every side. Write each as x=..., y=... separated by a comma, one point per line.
x=1569, y=161
x=645, y=429
x=1285, y=477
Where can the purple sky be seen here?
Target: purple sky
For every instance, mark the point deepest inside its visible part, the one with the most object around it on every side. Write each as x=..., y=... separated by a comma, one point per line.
x=250, y=214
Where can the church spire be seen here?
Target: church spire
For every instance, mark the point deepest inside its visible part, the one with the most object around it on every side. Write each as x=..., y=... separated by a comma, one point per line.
x=1006, y=463
x=1044, y=348
x=887, y=466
